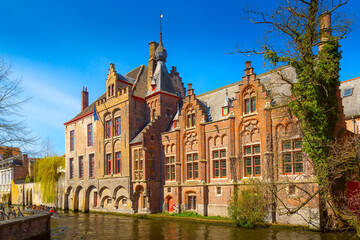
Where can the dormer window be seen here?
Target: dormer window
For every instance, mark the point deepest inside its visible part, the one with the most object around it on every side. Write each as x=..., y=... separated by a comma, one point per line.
x=348, y=92
x=225, y=111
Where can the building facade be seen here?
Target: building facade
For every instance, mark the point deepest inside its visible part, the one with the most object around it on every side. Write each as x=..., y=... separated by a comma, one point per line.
x=15, y=167
x=159, y=147
x=350, y=93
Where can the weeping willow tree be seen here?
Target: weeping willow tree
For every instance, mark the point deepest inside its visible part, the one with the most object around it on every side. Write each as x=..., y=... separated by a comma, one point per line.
x=47, y=173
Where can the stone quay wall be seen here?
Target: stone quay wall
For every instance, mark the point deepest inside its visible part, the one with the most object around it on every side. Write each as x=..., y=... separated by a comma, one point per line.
x=30, y=227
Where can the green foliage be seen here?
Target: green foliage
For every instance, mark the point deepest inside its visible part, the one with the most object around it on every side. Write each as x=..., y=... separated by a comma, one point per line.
x=29, y=179
x=314, y=96
x=248, y=208
x=47, y=172
x=192, y=214
x=186, y=214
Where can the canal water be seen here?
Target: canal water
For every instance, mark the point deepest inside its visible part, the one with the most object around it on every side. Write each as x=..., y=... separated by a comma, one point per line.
x=105, y=227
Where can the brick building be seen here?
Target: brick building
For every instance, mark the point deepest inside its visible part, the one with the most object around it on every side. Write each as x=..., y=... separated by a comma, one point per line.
x=12, y=168
x=159, y=147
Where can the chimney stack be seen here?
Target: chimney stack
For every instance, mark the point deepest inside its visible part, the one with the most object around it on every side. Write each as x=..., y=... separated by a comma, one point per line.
x=84, y=98
x=190, y=90
x=325, y=29
x=152, y=62
x=249, y=70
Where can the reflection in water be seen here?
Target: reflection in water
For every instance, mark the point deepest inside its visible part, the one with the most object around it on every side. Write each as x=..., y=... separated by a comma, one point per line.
x=102, y=226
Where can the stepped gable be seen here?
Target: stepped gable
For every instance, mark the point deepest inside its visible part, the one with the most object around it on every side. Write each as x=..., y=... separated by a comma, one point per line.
x=278, y=89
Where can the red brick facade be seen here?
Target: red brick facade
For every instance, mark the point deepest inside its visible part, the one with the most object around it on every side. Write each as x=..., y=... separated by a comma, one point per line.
x=180, y=151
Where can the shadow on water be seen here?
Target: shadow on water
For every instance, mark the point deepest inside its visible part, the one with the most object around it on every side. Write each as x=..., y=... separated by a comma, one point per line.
x=102, y=226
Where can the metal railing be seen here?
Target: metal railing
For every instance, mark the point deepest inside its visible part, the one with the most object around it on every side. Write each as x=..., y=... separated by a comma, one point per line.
x=10, y=213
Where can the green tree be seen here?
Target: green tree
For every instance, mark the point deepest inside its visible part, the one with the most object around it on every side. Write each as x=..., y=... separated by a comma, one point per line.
x=310, y=44
x=47, y=172
x=248, y=207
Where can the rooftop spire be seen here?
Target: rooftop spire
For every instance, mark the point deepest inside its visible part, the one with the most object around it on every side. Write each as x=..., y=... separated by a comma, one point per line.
x=160, y=52
x=161, y=16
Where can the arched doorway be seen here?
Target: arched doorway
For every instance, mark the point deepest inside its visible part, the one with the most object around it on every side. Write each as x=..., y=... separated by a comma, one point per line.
x=91, y=198
x=79, y=199
x=170, y=204
x=68, y=204
x=139, y=200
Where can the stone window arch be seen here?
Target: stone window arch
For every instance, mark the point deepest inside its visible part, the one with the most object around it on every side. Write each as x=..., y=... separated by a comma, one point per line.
x=249, y=100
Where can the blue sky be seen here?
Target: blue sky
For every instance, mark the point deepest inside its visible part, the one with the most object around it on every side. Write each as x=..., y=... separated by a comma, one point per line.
x=58, y=47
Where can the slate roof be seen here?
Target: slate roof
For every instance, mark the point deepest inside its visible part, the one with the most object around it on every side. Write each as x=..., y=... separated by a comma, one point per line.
x=139, y=88
x=126, y=78
x=279, y=90
x=162, y=80
x=351, y=103
x=215, y=99
x=87, y=110
x=138, y=137
x=133, y=73
x=137, y=77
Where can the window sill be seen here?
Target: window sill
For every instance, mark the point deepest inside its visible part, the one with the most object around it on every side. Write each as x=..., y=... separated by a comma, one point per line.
x=248, y=177
x=117, y=137
x=291, y=174
x=219, y=179
x=249, y=114
x=190, y=128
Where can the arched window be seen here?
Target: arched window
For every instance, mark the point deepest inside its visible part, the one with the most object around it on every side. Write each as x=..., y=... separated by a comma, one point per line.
x=190, y=117
x=249, y=101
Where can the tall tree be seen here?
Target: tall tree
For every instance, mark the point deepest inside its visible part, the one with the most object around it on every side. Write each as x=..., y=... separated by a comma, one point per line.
x=312, y=49
x=13, y=131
